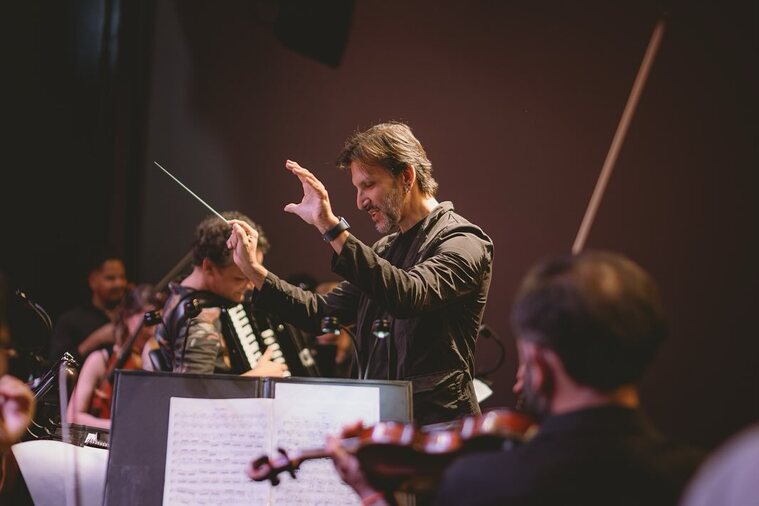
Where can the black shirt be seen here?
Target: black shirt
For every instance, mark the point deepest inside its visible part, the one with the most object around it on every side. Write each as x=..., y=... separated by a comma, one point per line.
x=384, y=357
x=433, y=298
x=601, y=456
x=73, y=327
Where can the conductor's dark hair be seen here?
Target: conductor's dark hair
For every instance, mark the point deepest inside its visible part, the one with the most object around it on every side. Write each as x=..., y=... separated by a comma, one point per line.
x=393, y=146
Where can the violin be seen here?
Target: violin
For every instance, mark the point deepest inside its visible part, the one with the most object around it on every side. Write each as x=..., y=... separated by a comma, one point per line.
x=402, y=457
x=127, y=358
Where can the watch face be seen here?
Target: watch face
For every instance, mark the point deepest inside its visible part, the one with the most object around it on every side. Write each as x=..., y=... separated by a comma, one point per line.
x=330, y=234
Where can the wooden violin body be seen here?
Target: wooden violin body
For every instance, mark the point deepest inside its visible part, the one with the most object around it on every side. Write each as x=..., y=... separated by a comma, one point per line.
x=401, y=457
x=100, y=406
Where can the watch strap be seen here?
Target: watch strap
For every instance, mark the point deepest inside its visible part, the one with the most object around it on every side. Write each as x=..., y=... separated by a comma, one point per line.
x=333, y=232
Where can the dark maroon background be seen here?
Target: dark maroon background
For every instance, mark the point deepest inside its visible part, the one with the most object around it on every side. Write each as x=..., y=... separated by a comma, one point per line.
x=515, y=102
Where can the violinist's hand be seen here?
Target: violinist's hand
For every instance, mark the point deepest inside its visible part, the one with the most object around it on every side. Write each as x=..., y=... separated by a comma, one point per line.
x=314, y=208
x=265, y=366
x=243, y=241
x=348, y=466
x=16, y=409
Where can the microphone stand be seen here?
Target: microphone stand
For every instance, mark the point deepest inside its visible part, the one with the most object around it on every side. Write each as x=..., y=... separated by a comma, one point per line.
x=332, y=325
x=39, y=310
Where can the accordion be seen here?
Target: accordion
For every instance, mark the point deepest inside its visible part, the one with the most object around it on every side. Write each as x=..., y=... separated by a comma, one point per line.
x=247, y=334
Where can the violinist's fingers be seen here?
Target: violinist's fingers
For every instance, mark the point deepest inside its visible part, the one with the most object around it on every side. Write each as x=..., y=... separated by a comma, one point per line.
x=249, y=470
x=340, y=457
x=352, y=429
x=333, y=444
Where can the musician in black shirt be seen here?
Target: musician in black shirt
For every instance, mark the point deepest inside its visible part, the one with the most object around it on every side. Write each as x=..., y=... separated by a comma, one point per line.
x=196, y=344
x=587, y=327
x=429, y=278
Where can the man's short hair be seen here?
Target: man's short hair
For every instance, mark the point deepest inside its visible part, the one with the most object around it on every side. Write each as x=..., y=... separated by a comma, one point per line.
x=96, y=258
x=600, y=312
x=391, y=145
x=211, y=238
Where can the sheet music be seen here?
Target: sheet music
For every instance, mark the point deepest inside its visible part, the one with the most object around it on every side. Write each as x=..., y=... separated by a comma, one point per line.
x=303, y=416
x=210, y=443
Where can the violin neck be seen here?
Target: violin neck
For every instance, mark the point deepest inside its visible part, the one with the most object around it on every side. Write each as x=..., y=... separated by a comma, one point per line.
x=297, y=457
x=125, y=353
x=300, y=456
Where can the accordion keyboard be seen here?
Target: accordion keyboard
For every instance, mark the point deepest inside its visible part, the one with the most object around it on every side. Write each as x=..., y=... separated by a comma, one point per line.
x=249, y=343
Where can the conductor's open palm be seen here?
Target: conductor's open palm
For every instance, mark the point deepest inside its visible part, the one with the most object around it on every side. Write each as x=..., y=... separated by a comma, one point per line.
x=314, y=208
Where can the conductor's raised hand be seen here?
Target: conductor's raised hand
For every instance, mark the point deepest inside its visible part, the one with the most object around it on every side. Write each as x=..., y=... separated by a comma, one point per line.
x=243, y=241
x=314, y=208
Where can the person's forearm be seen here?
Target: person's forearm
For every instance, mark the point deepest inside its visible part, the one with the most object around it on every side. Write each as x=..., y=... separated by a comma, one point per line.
x=256, y=274
x=89, y=420
x=100, y=337
x=328, y=223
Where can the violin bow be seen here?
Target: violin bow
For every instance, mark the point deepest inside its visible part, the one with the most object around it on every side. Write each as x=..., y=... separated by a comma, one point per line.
x=619, y=136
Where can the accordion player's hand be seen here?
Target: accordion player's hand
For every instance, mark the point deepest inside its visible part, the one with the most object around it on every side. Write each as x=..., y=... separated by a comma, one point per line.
x=267, y=367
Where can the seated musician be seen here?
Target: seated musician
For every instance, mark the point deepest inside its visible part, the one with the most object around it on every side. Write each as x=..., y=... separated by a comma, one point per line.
x=90, y=400
x=587, y=327
x=194, y=343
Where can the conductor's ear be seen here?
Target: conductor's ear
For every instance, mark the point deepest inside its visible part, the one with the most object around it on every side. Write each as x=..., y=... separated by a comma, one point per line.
x=409, y=177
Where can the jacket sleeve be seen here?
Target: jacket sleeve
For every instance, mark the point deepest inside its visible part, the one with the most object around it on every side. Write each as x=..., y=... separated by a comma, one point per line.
x=305, y=309
x=197, y=352
x=454, y=269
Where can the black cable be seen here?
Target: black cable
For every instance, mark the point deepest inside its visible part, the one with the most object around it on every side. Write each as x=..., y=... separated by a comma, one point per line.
x=355, y=351
x=487, y=333
x=369, y=359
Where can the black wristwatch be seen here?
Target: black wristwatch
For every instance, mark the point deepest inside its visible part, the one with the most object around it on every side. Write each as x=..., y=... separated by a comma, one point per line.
x=333, y=232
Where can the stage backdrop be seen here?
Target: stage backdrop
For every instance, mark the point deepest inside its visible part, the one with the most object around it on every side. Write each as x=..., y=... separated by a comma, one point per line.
x=516, y=103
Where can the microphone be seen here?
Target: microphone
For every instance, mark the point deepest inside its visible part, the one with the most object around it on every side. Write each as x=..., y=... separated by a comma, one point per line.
x=485, y=331
x=380, y=330
x=152, y=318
x=39, y=310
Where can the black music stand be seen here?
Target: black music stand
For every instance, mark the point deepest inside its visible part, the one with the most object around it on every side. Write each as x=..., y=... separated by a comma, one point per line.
x=138, y=440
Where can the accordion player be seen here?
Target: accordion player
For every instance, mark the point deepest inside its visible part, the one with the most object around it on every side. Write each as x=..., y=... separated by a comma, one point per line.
x=246, y=334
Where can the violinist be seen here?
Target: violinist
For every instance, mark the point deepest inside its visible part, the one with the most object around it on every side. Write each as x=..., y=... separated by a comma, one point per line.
x=587, y=326
x=90, y=400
